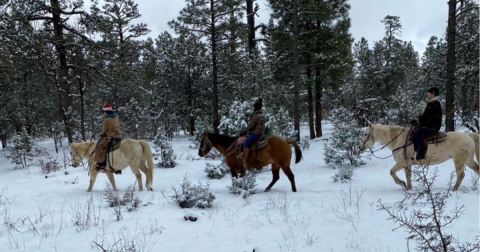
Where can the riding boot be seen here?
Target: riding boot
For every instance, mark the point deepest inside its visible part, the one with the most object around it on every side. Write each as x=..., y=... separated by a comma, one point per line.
x=245, y=154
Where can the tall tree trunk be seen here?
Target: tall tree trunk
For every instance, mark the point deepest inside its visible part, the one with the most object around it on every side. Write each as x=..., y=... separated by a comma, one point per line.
x=63, y=87
x=296, y=79
x=318, y=102
x=3, y=138
x=450, y=85
x=311, y=124
x=191, y=128
x=251, y=41
x=216, y=117
x=251, y=28
x=81, y=90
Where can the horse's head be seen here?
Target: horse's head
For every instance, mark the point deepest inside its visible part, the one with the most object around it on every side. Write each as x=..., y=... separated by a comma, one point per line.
x=74, y=156
x=205, y=145
x=367, y=139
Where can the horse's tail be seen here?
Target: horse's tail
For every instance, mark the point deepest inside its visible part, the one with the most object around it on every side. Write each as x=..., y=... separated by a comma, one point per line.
x=476, y=138
x=298, y=151
x=147, y=154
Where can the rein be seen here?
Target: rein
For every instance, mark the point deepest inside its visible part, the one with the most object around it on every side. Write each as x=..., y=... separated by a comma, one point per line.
x=373, y=151
x=229, y=152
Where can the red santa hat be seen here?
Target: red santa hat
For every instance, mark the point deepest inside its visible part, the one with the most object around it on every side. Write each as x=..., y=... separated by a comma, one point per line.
x=107, y=107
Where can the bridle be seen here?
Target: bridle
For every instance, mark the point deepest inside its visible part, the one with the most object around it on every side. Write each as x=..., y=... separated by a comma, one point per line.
x=206, y=144
x=75, y=154
x=370, y=135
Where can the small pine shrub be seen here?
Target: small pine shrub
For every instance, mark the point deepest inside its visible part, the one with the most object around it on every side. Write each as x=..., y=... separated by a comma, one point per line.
x=189, y=196
x=344, y=174
x=305, y=143
x=166, y=151
x=49, y=165
x=246, y=183
x=129, y=198
x=343, y=152
x=21, y=148
x=217, y=171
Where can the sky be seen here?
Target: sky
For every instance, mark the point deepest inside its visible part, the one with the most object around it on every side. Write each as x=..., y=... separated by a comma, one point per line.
x=55, y=213
x=420, y=19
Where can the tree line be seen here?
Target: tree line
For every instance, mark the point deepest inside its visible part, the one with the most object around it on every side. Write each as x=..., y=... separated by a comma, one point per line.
x=60, y=61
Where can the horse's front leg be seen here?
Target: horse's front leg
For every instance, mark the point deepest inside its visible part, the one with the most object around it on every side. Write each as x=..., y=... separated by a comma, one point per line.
x=112, y=180
x=408, y=175
x=233, y=168
x=397, y=167
x=93, y=177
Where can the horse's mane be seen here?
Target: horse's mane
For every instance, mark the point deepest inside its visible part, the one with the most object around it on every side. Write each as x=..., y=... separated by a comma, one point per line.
x=224, y=140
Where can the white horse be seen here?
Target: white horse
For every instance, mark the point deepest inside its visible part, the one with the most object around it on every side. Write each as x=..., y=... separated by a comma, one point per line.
x=462, y=147
x=134, y=153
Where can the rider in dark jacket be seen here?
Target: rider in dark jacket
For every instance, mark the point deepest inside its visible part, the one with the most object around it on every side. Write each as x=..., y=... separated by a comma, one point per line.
x=256, y=127
x=429, y=123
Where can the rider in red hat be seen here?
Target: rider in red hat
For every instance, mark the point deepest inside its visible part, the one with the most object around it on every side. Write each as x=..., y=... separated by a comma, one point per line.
x=110, y=129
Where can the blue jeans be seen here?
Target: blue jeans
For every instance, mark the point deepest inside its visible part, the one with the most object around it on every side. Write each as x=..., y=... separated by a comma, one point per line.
x=421, y=134
x=250, y=140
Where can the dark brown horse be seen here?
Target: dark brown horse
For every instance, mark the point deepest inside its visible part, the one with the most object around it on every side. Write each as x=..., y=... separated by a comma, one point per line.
x=278, y=153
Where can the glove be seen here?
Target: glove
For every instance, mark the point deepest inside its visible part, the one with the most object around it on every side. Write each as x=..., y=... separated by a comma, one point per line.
x=414, y=122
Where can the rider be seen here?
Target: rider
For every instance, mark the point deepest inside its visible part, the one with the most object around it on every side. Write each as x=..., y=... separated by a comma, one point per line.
x=256, y=127
x=429, y=123
x=110, y=129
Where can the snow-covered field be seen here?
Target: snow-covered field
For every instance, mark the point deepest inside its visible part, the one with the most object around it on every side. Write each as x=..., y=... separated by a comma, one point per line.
x=57, y=213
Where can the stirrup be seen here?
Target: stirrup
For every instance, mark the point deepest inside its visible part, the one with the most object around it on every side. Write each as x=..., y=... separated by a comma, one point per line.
x=100, y=167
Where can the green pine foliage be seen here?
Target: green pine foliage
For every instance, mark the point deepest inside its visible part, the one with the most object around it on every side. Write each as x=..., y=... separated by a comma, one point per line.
x=342, y=151
x=21, y=149
x=217, y=171
x=166, y=151
x=244, y=184
x=190, y=195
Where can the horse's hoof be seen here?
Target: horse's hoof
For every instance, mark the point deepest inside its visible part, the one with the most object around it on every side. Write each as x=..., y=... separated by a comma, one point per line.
x=294, y=190
x=267, y=189
x=403, y=184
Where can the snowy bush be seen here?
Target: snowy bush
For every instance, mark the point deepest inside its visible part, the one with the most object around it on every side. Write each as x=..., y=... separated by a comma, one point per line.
x=129, y=198
x=279, y=124
x=166, y=151
x=217, y=171
x=237, y=118
x=305, y=143
x=343, y=152
x=246, y=183
x=344, y=174
x=20, y=151
x=49, y=165
x=189, y=195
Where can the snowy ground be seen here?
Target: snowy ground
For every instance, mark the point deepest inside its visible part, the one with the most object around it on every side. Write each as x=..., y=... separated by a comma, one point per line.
x=57, y=213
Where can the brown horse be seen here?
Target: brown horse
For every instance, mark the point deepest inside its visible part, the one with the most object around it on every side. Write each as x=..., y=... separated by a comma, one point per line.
x=278, y=153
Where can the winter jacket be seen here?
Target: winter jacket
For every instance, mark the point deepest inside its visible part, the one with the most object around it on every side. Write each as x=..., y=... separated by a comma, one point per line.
x=432, y=116
x=111, y=126
x=256, y=123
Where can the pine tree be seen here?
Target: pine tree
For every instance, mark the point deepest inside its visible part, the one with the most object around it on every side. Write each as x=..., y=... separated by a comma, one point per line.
x=166, y=151
x=210, y=20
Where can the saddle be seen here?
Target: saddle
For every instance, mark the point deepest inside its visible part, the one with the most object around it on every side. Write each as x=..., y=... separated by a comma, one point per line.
x=432, y=139
x=106, y=146
x=114, y=144
x=260, y=144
